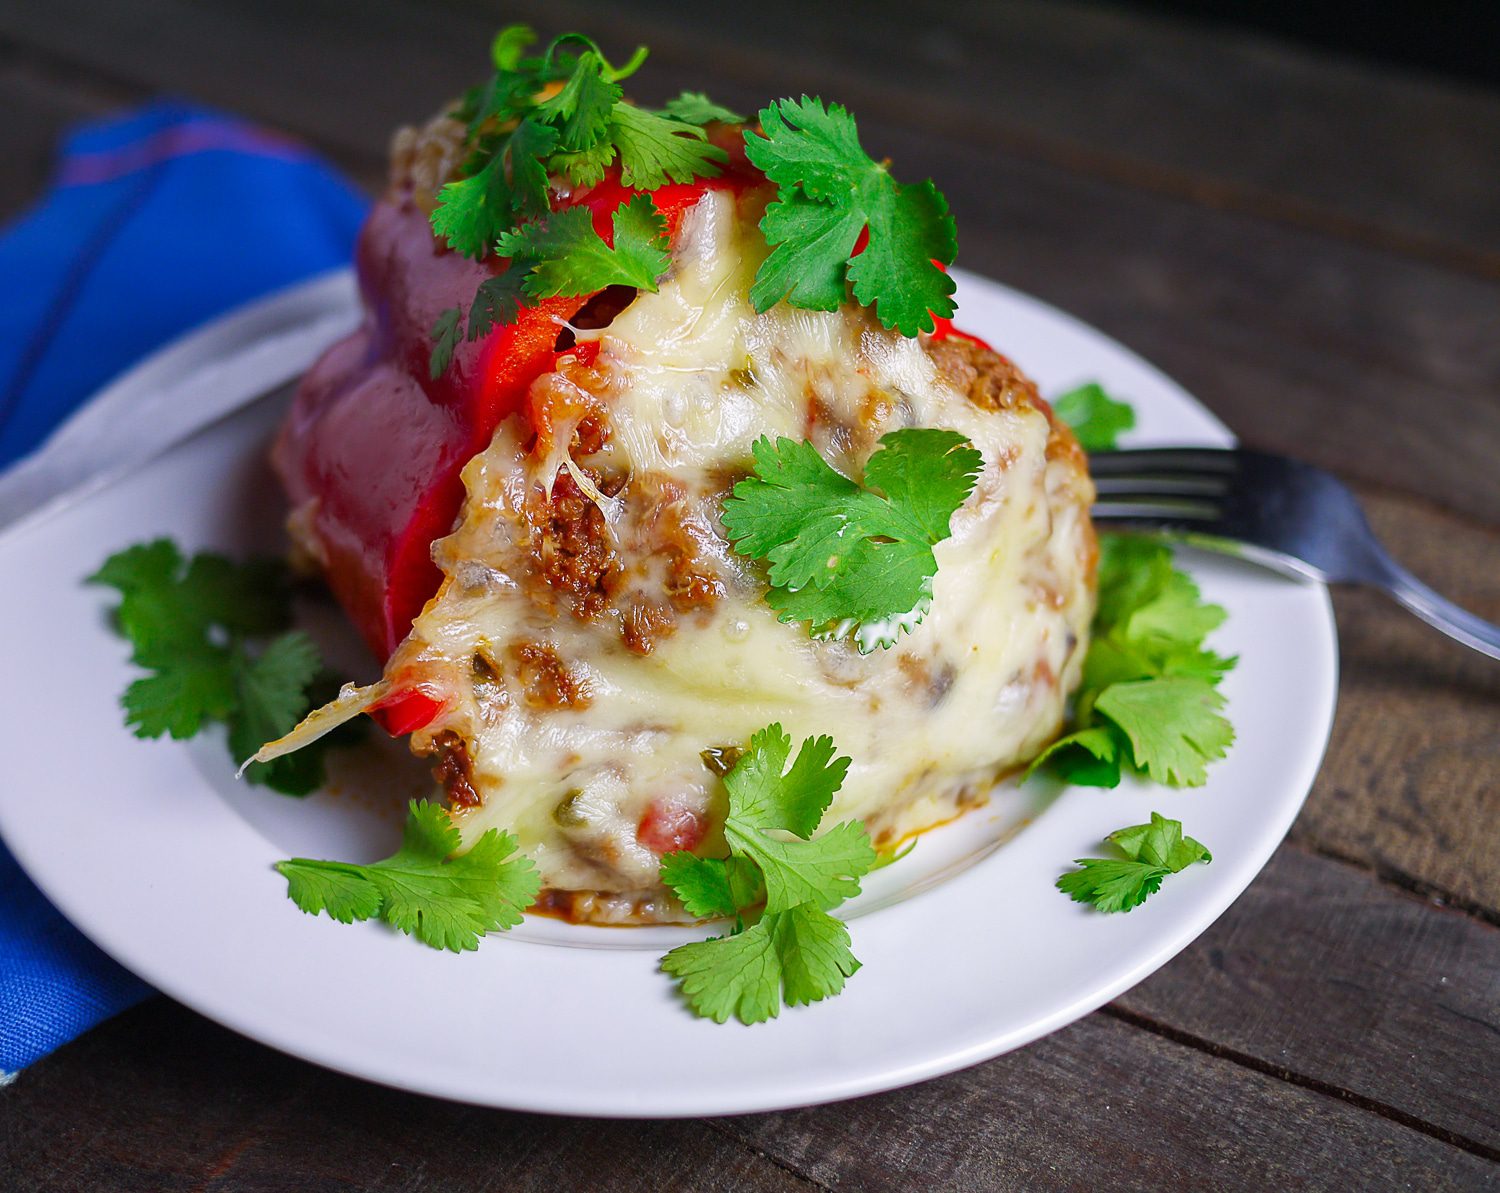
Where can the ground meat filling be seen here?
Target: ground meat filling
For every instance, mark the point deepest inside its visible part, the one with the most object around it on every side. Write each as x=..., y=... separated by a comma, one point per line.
x=548, y=682
x=453, y=769
x=570, y=547
x=994, y=382
x=989, y=380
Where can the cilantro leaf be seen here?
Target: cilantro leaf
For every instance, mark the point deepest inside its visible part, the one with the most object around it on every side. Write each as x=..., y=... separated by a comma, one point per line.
x=143, y=565
x=271, y=694
x=566, y=256
x=560, y=114
x=1160, y=843
x=444, y=340
x=693, y=107
x=1096, y=418
x=498, y=300
x=1087, y=757
x=805, y=143
x=764, y=797
x=737, y=975
x=1173, y=724
x=1148, y=679
x=797, y=956
x=655, y=149
x=809, y=260
x=509, y=45
x=702, y=883
x=1152, y=851
x=1149, y=695
x=445, y=901
x=909, y=226
x=584, y=167
x=472, y=213
x=815, y=955
x=1111, y=884
x=844, y=558
x=795, y=951
x=188, y=688
x=192, y=624
x=829, y=191
x=526, y=152
x=583, y=106
x=168, y=603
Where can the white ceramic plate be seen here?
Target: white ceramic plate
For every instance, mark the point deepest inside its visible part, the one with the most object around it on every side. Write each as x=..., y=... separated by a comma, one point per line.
x=165, y=861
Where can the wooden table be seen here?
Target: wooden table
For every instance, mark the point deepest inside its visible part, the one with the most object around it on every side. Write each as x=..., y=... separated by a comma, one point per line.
x=1313, y=248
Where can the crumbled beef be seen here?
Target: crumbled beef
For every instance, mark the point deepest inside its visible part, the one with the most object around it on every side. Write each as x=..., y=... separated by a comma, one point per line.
x=645, y=623
x=547, y=681
x=681, y=535
x=571, y=548
x=453, y=769
x=991, y=381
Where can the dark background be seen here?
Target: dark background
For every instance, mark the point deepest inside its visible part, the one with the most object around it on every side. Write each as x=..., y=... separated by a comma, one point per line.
x=1453, y=37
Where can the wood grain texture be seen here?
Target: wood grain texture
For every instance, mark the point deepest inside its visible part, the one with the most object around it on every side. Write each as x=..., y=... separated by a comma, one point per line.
x=1319, y=1000
x=1287, y=332
x=1322, y=974
x=1409, y=783
x=1218, y=115
x=1310, y=248
x=1102, y=1105
x=161, y=1099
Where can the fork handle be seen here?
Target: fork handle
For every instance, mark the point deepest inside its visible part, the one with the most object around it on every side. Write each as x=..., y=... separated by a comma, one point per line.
x=1438, y=611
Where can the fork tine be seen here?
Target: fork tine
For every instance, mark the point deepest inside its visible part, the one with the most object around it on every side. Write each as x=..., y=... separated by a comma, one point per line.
x=1175, y=460
x=1155, y=511
x=1162, y=485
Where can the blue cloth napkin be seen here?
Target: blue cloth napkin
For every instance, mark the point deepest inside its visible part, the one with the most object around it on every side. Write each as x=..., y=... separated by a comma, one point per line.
x=154, y=221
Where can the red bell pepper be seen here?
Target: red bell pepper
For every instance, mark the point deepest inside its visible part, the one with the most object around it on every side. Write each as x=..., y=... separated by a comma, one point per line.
x=372, y=447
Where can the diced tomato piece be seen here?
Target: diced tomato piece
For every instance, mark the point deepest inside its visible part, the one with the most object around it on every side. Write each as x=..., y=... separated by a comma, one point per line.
x=668, y=825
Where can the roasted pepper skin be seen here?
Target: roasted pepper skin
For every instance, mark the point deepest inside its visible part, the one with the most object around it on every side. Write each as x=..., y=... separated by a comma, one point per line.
x=371, y=451
x=372, y=448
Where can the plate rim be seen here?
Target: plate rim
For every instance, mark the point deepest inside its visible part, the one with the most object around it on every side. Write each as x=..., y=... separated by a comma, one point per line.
x=211, y=338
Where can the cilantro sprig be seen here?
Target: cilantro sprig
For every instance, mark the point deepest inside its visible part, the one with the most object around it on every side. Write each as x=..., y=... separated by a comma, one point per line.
x=561, y=114
x=1151, y=852
x=1097, y=419
x=447, y=900
x=840, y=222
x=216, y=639
x=792, y=951
x=852, y=560
x=830, y=192
x=1150, y=696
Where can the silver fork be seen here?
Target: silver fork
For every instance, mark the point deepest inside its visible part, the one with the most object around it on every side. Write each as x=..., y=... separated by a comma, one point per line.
x=1286, y=515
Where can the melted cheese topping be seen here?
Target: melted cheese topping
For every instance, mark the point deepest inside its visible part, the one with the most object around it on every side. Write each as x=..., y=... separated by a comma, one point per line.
x=692, y=377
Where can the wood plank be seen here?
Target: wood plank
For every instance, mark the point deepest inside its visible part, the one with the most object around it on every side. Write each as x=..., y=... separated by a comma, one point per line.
x=1237, y=119
x=161, y=1099
x=1104, y=1105
x=1285, y=332
x=1382, y=368
x=1316, y=974
x=1321, y=973
x=1240, y=119
x=1408, y=786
